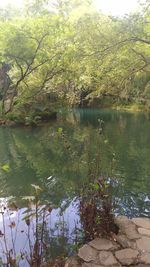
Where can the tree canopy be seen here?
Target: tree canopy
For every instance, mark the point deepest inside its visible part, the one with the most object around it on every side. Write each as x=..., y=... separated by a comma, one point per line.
x=67, y=50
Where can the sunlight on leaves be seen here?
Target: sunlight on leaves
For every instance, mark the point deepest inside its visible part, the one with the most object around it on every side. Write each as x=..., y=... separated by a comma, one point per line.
x=5, y=168
x=36, y=187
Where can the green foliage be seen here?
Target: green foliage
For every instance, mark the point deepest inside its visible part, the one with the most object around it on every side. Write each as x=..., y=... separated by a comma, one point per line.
x=69, y=53
x=5, y=168
x=60, y=130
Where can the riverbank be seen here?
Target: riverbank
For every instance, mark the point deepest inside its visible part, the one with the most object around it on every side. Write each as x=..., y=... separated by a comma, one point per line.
x=132, y=108
x=130, y=247
x=117, y=104
x=38, y=119
x=32, y=119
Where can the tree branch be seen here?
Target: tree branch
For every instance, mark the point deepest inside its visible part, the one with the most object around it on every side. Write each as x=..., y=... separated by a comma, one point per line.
x=140, y=54
x=135, y=71
x=137, y=39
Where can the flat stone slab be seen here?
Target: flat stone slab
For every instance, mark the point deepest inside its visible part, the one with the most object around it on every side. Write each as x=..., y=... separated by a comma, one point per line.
x=125, y=242
x=145, y=258
x=91, y=265
x=103, y=244
x=142, y=265
x=127, y=227
x=107, y=258
x=142, y=222
x=131, y=247
x=144, y=231
x=87, y=253
x=72, y=262
x=127, y=256
x=143, y=244
x=120, y=221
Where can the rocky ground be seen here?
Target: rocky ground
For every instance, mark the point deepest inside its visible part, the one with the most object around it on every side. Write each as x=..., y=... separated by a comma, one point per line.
x=131, y=247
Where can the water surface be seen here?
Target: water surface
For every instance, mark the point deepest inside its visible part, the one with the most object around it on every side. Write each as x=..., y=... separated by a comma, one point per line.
x=59, y=156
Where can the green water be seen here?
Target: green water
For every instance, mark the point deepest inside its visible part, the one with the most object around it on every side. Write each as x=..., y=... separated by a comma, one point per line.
x=66, y=151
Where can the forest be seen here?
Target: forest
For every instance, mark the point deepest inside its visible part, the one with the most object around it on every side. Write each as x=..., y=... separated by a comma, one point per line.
x=66, y=53
x=64, y=183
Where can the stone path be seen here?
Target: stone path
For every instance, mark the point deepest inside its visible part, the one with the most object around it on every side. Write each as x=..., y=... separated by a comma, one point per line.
x=131, y=247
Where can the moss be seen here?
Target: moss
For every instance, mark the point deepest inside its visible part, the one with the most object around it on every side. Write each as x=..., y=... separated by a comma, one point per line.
x=16, y=117
x=46, y=115
x=119, y=104
x=133, y=107
x=32, y=117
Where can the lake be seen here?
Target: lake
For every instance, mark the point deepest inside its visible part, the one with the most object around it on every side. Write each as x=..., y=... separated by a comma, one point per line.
x=34, y=154
x=61, y=155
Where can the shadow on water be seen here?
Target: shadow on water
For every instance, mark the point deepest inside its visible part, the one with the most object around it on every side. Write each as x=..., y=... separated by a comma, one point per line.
x=59, y=157
x=33, y=154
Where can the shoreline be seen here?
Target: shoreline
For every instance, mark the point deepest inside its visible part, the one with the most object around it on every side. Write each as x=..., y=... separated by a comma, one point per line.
x=130, y=247
x=7, y=122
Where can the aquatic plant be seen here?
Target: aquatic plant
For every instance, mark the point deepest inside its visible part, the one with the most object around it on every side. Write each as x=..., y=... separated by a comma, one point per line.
x=96, y=203
x=26, y=235
x=96, y=209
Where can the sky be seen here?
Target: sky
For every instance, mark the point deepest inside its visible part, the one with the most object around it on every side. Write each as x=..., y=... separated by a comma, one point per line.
x=114, y=7
x=117, y=7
